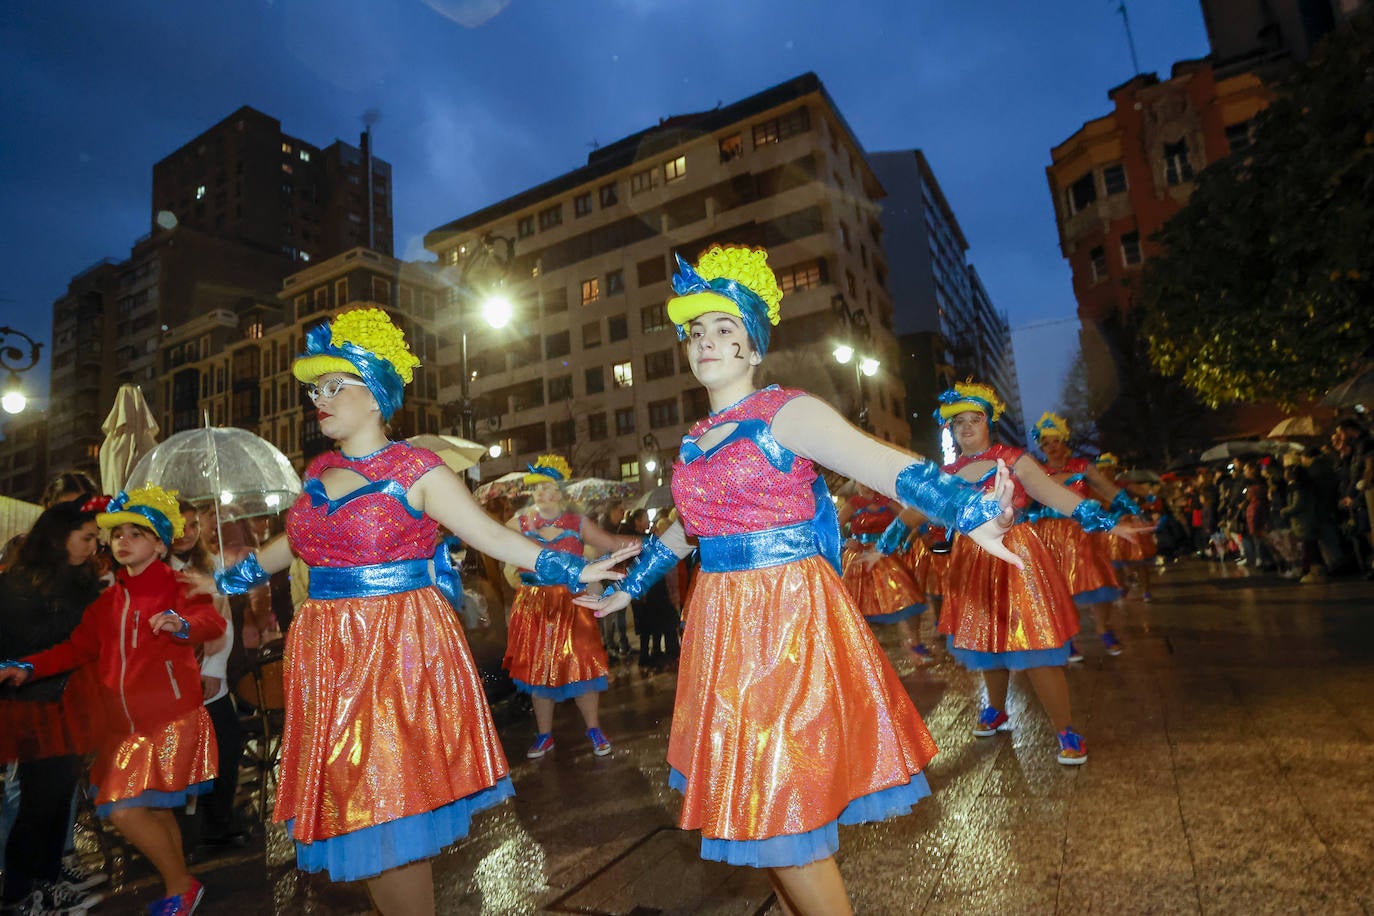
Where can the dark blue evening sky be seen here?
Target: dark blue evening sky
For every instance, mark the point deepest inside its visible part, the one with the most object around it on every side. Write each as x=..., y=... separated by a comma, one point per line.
x=481, y=99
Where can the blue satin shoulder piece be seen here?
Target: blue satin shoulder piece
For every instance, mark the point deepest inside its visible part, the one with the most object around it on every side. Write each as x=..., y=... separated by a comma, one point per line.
x=318, y=497
x=757, y=430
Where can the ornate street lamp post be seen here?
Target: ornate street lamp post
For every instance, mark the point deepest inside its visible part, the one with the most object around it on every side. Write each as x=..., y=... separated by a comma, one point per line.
x=16, y=359
x=855, y=333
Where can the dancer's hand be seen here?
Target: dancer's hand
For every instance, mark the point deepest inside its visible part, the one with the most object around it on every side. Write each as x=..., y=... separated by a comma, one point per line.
x=14, y=674
x=605, y=605
x=602, y=570
x=989, y=534
x=1131, y=531
x=198, y=583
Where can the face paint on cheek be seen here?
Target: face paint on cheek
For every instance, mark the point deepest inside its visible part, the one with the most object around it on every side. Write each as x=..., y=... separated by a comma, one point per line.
x=739, y=354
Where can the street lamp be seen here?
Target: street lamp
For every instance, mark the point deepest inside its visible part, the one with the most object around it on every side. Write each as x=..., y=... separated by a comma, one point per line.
x=855, y=331
x=651, y=463
x=15, y=360
x=495, y=308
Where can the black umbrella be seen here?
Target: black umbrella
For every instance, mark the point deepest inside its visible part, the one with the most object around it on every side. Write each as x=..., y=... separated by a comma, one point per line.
x=1358, y=390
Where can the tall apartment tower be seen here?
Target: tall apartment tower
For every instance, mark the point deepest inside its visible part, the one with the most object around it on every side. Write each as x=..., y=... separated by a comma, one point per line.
x=246, y=180
x=593, y=368
x=948, y=326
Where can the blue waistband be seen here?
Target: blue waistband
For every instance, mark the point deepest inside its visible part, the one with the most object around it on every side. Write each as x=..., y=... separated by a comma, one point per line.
x=328, y=582
x=866, y=538
x=758, y=549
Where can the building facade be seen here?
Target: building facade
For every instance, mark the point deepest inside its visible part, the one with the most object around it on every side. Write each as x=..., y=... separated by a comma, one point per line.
x=591, y=367
x=949, y=328
x=24, y=455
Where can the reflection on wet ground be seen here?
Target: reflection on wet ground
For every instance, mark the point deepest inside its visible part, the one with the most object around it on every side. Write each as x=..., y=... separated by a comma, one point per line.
x=1231, y=771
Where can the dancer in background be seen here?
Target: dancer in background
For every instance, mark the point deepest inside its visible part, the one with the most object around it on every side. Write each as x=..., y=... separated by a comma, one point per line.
x=1134, y=556
x=789, y=719
x=883, y=585
x=388, y=747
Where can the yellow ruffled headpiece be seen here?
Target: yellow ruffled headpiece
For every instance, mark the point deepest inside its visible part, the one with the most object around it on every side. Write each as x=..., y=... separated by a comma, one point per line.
x=1106, y=459
x=970, y=395
x=1050, y=426
x=365, y=343
x=149, y=507
x=732, y=279
x=549, y=469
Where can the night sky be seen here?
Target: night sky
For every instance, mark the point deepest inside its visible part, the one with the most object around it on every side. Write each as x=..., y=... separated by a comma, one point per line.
x=481, y=99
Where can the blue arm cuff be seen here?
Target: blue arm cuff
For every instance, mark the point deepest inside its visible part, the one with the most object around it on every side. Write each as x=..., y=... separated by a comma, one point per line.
x=1090, y=514
x=184, y=633
x=553, y=567
x=241, y=578
x=22, y=666
x=652, y=564
x=1122, y=504
x=947, y=500
x=892, y=537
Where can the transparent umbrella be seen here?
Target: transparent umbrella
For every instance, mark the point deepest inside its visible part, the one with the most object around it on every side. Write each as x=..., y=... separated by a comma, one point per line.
x=242, y=474
x=591, y=489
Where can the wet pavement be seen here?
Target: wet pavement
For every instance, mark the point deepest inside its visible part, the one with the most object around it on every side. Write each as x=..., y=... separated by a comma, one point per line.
x=1231, y=771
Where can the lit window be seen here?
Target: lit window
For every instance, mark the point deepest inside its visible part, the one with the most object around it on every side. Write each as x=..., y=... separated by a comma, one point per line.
x=675, y=169
x=200, y=192
x=286, y=167
x=305, y=155
x=623, y=373
x=591, y=290
x=286, y=147
x=731, y=147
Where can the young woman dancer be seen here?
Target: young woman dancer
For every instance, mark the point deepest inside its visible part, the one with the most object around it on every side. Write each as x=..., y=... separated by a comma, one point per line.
x=789, y=719
x=882, y=584
x=388, y=748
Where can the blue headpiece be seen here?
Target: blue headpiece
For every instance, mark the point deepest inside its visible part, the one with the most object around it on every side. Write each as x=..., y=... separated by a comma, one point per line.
x=119, y=510
x=379, y=375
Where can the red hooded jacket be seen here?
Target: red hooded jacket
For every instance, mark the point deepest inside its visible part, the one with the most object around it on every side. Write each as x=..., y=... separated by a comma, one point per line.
x=151, y=678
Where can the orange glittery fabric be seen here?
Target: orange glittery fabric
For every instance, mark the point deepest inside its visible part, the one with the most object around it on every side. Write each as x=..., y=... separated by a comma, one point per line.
x=385, y=714
x=885, y=587
x=1124, y=551
x=787, y=708
x=551, y=642
x=991, y=606
x=168, y=758
x=1082, y=558
x=918, y=558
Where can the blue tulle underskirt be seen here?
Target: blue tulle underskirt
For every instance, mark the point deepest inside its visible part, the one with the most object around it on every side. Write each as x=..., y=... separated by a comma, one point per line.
x=565, y=692
x=911, y=610
x=821, y=843
x=1009, y=661
x=370, y=851
x=1098, y=595
x=152, y=798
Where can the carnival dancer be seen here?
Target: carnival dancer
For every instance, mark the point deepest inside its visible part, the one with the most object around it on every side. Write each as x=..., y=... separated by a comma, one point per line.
x=388, y=746
x=1083, y=557
x=141, y=633
x=789, y=719
x=553, y=647
x=882, y=584
x=1000, y=620
x=1135, y=556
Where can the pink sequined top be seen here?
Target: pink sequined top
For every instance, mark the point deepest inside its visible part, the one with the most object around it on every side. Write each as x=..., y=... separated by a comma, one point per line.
x=1008, y=454
x=747, y=481
x=373, y=524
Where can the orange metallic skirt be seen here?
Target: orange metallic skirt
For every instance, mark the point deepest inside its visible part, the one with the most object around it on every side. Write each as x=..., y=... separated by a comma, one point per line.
x=157, y=768
x=1083, y=559
x=553, y=647
x=991, y=607
x=1141, y=550
x=385, y=716
x=885, y=591
x=787, y=708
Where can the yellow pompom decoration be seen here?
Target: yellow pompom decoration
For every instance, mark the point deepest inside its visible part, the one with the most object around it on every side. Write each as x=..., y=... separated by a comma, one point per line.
x=153, y=497
x=748, y=266
x=555, y=463
x=371, y=329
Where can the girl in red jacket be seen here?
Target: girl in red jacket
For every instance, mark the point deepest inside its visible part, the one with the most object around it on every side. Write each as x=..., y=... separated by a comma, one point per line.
x=140, y=633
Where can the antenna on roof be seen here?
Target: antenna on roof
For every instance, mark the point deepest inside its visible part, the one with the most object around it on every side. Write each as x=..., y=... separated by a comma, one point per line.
x=1130, y=38
x=594, y=144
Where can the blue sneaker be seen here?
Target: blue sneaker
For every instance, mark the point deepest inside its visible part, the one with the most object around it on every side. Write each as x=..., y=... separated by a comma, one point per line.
x=991, y=721
x=543, y=743
x=1112, y=644
x=1074, y=655
x=601, y=745
x=1073, y=749
x=179, y=904
x=923, y=653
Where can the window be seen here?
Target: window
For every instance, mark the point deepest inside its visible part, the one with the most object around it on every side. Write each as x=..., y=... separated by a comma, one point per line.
x=1114, y=179
x=286, y=147
x=582, y=204
x=641, y=181
x=696, y=403
x=624, y=375
x=1097, y=258
x=663, y=413
x=659, y=364
x=652, y=270
x=556, y=345
x=591, y=291
x=609, y=195
x=1177, y=168
x=765, y=133
x=560, y=389
x=305, y=155
x=555, y=300
x=795, y=122
x=624, y=420
x=381, y=291
x=803, y=276
x=595, y=379
x=675, y=169
x=591, y=335
x=617, y=327
x=850, y=284
x=629, y=468
x=524, y=227
x=597, y=428
x=200, y=192
x=731, y=148
x=1081, y=193
x=1240, y=136
x=286, y=167
x=321, y=298
x=562, y=433
x=550, y=217
x=615, y=282
x=653, y=318
x=844, y=237
x=1130, y=248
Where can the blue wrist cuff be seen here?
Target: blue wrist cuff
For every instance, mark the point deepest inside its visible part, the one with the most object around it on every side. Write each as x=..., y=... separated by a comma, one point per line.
x=185, y=632
x=1090, y=514
x=23, y=666
x=1122, y=504
x=553, y=567
x=242, y=577
x=951, y=502
x=652, y=564
x=892, y=537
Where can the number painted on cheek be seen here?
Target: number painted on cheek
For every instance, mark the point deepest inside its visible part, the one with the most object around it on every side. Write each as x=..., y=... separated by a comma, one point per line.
x=738, y=353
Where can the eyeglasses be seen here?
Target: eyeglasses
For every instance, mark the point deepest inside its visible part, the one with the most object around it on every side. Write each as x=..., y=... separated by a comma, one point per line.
x=331, y=388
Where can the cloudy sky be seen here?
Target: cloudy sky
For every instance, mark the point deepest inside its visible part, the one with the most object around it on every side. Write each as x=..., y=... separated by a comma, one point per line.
x=481, y=99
